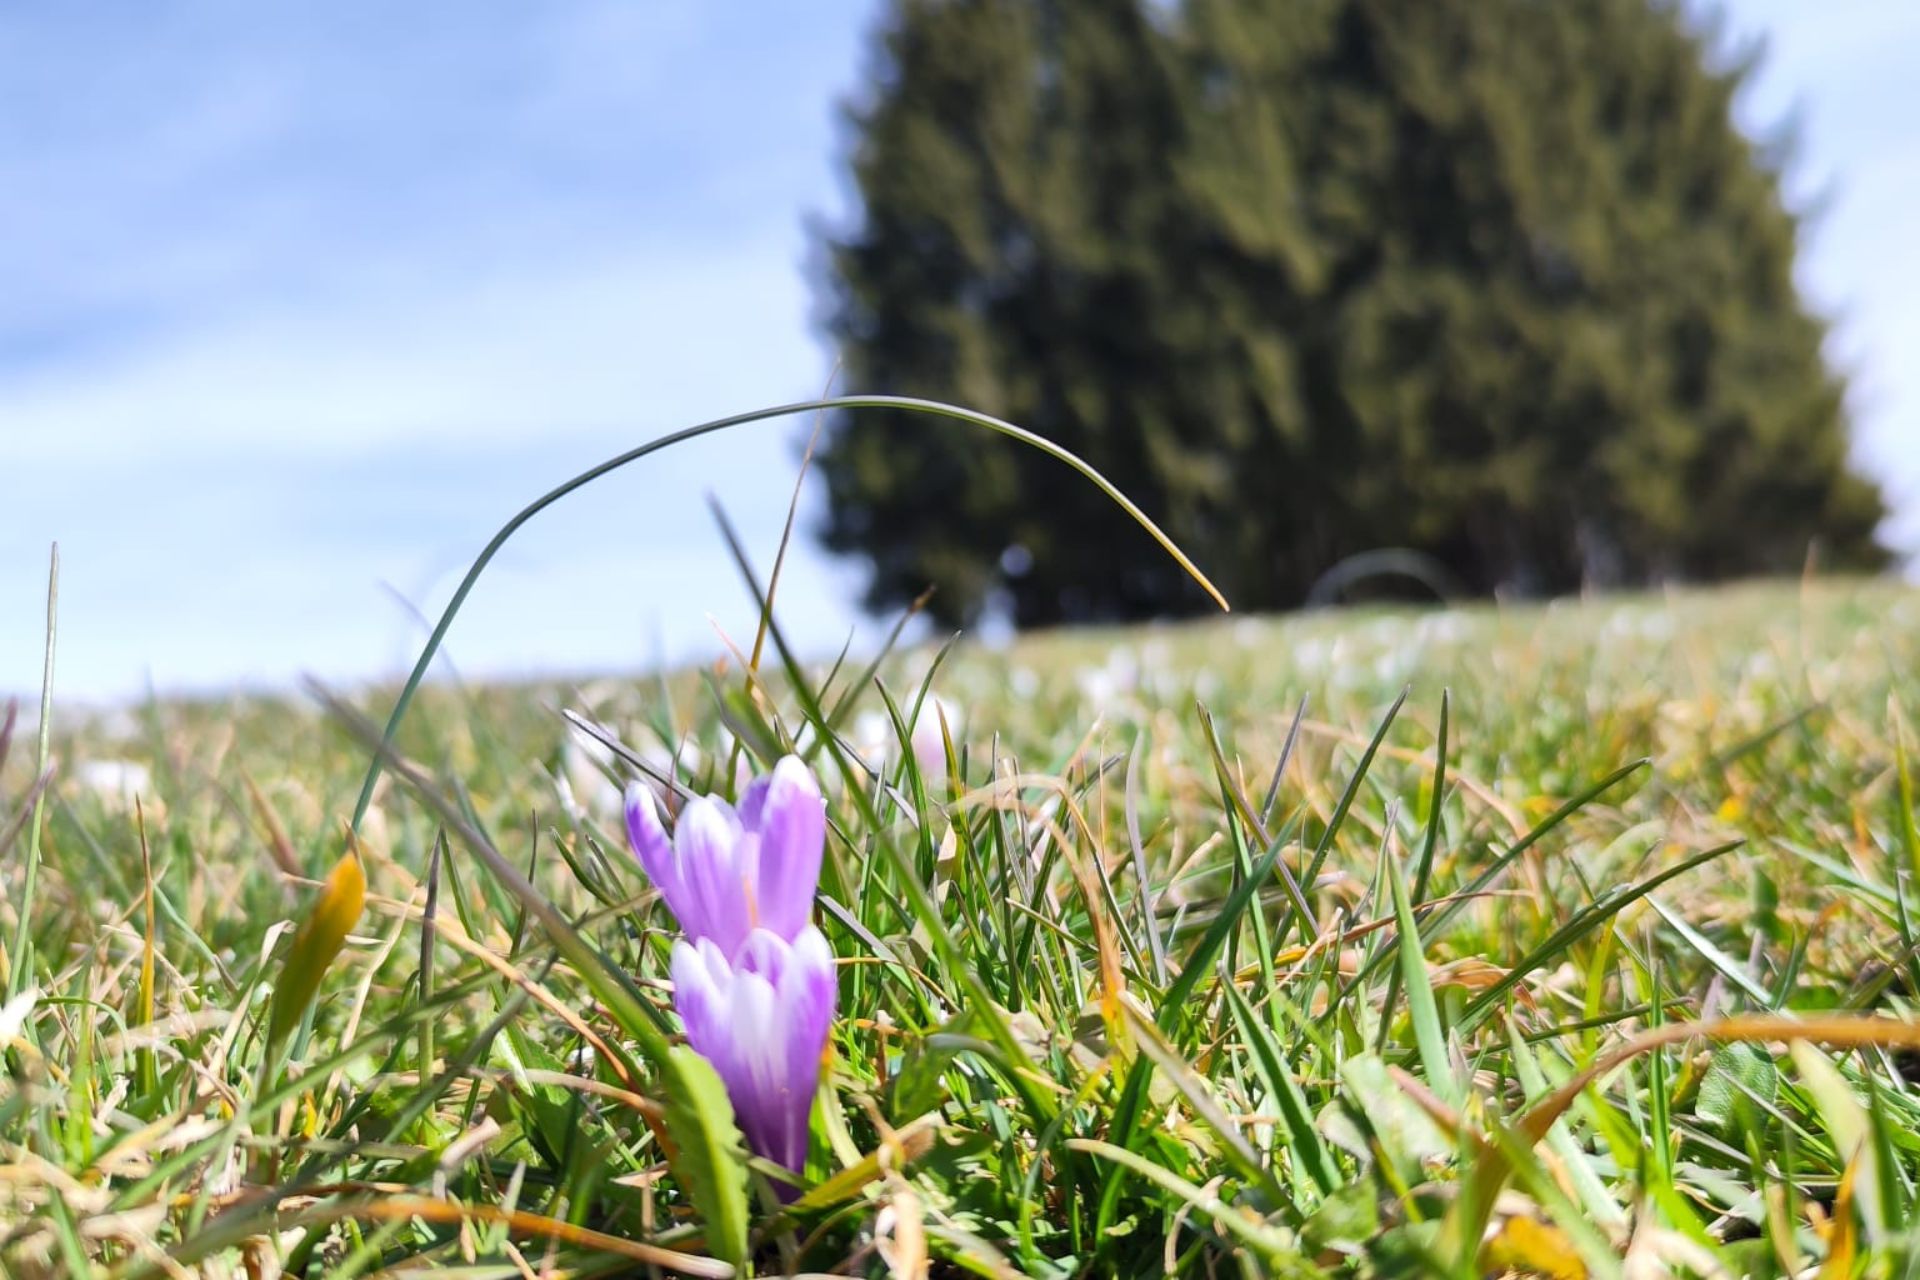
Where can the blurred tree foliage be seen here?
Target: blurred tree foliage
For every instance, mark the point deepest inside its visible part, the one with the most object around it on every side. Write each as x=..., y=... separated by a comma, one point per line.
x=1494, y=280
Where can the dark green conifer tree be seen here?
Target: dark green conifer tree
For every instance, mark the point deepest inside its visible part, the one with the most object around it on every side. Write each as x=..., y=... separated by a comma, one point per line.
x=1495, y=280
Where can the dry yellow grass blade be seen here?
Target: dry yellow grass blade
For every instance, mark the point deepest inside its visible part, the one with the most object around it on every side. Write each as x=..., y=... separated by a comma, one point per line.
x=1535, y=1248
x=1841, y=1239
x=321, y=935
x=1833, y=1029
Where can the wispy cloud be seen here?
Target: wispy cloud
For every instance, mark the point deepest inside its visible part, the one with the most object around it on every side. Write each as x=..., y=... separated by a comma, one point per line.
x=577, y=346
x=301, y=303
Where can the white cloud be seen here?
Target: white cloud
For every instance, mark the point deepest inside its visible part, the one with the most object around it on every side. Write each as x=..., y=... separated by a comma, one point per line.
x=590, y=347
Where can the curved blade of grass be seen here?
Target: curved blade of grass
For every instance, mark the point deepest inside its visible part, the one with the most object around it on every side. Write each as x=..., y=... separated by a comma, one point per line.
x=1347, y=797
x=262, y=1217
x=1903, y=819
x=1729, y=968
x=905, y=403
x=1286, y=757
x=1270, y=1064
x=607, y=983
x=1126, y=1113
x=1237, y=797
x=1143, y=881
x=1199, y=1095
x=897, y=1149
x=1849, y=1126
x=1457, y=902
x=1595, y=1199
x=1438, y=790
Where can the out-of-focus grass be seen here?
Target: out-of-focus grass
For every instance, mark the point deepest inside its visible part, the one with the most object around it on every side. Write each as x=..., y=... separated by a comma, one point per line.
x=1043, y=1065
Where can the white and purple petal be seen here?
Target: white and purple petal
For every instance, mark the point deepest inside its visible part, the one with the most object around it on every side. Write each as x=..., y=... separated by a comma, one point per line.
x=717, y=882
x=791, y=819
x=762, y=1021
x=702, y=992
x=805, y=996
x=648, y=839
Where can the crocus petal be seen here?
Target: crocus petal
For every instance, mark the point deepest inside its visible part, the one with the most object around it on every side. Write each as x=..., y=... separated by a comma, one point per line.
x=762, y=1021
x=649, y=839
x=783, y=1013
x=753, y=979
x=702, y=992
x=759, y=1067
x=804, y=994
x=718, y=888
x=792, y=825
x=753, y=799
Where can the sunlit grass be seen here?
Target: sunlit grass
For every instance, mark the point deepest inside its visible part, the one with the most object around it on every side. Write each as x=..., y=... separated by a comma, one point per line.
x=1641, y=812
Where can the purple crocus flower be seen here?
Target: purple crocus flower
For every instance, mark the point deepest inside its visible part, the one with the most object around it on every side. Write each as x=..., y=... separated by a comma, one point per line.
x=753, y=979
x=728, y=871
x=761, y=1019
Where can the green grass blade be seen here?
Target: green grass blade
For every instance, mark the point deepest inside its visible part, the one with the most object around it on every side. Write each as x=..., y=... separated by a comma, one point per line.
x=1430, y=1038
x=20, y=956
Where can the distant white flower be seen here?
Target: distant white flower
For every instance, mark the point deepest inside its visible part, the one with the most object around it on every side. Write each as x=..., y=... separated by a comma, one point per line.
x=929, y=746
x=871, y=735
x=1310, y=655
x=874, y=738
x=584, y=784
x=1443, y=626
x=13, y=1015
x=115, y=783
x=1103, y=686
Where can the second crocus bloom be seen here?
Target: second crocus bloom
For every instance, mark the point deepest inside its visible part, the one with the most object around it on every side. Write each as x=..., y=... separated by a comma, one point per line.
x=762, y=1020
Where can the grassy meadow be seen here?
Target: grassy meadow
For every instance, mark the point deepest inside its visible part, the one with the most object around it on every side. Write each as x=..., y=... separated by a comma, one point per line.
x=1560, y=941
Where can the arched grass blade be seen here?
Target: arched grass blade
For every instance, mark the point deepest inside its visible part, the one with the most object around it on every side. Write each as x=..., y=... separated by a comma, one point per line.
x=910, y=404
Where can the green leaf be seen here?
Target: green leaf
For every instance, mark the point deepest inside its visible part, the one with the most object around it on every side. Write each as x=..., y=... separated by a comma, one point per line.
x=710, y=1159
x=1903, y=818
x=1272, y=1243
x=1738, y=1073
x=1345, y=1220
x=1405, y=1131
x=918, y=1085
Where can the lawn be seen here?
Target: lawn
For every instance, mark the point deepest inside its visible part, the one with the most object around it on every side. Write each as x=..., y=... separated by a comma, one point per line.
x=1564, y=940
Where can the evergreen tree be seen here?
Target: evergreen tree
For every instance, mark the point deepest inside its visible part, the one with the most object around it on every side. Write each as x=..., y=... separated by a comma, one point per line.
x=1495, y=280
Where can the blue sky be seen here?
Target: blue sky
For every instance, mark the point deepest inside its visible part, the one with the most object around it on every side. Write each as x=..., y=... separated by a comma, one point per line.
x=300, y=304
